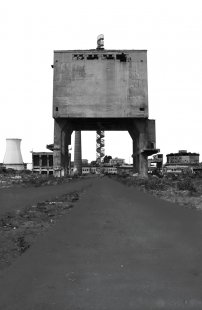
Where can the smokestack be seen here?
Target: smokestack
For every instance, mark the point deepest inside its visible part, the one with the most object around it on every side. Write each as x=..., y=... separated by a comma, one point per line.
x=77, y=153
x=13, y=157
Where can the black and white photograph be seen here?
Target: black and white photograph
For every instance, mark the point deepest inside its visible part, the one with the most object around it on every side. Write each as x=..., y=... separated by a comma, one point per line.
x=100, y=155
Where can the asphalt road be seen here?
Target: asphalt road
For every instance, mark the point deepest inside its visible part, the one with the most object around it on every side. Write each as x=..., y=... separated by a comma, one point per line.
x=118, y=249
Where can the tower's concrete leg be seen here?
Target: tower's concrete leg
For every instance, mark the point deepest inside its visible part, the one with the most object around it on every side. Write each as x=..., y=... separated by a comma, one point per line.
x=139, y=136
x=62, y=138
x=140, y=165
x=142, y=132
x=77, y=153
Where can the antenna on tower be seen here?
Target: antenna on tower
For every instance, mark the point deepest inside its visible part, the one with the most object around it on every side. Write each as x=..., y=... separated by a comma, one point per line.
x=100, y=42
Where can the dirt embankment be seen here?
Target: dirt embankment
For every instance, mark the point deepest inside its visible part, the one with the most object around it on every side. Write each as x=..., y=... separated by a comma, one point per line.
x=20, y=228
x=25, y=213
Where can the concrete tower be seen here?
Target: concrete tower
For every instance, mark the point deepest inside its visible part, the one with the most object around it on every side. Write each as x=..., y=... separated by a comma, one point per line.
x=13, y=157
x=77, y=153
x=101, y=89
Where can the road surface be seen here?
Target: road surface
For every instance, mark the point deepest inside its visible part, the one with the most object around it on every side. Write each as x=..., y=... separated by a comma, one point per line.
x=118, y=249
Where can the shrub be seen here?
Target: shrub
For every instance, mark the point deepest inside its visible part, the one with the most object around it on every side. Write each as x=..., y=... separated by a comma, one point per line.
x=186, y=185
x=156, y=184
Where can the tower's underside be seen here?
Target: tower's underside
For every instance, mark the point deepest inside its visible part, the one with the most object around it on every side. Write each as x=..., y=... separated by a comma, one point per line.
x=102, y=90
x=142, y=132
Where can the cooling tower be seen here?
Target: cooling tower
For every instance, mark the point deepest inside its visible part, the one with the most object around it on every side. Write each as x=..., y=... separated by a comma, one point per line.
x=13, y=157
x=77, y=153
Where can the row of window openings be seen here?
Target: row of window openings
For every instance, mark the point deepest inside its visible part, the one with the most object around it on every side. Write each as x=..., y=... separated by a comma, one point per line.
x=44, y=161
x=122, y=57
x=141, y=109
x=179, y=160
x=50, y=172
x=88, y=169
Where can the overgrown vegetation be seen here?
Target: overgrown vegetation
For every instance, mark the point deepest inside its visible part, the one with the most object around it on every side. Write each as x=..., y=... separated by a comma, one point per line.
x=183, y=189
x=9, y=178
x=186, y=184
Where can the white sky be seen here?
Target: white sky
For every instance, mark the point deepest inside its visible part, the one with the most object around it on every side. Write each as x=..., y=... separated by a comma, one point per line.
x=171, y=31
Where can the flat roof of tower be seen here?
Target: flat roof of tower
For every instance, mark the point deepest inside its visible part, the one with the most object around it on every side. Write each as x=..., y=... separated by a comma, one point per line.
x=97, y=50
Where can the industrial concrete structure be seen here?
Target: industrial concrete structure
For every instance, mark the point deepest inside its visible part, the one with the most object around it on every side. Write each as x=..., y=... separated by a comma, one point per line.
x=102, y=90
x=42, y=162
x=13, y=157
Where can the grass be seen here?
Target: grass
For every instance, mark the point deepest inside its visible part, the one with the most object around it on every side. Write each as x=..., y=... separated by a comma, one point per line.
x=184, y=190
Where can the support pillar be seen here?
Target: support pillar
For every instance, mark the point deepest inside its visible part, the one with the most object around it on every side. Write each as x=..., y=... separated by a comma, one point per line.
x=143, y=135
x=77, y=153
x=140, y=164
x=138, y=134
x=40, y=164
x=62, y=139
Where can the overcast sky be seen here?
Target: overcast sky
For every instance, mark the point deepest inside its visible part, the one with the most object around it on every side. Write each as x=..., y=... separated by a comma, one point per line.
x=171, y=31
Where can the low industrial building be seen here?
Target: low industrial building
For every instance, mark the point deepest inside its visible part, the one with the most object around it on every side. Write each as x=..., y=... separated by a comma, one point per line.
x=183, y=158
x=181, y=162
x=96, y=170
x=42, y=162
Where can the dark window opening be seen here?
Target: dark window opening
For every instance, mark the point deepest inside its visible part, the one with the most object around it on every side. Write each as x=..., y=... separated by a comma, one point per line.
x=92, y=57
x=35, y=160
x=151, y=145
x=107, y=56
x=44, y=160
x=56, y=109
x=78, y=57
x=122, y=57
x=141, y=60
x=141, y=109
x=50, y=160
x=50, y=172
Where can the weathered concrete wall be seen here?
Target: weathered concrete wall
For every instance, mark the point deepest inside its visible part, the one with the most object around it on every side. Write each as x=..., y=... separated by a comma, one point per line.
x=102, y=90
x=100, y=84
